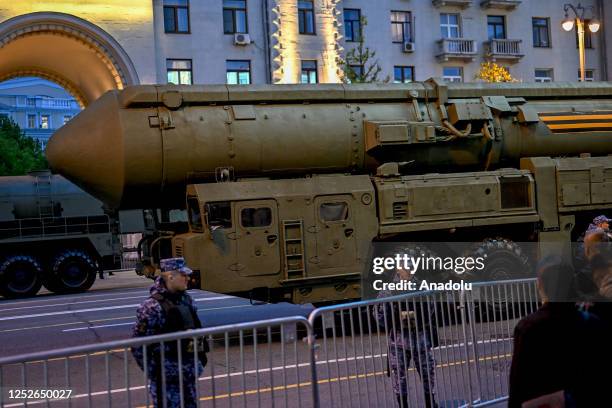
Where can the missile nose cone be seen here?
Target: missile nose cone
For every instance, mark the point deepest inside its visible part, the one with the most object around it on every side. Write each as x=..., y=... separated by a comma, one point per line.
x=88, y=150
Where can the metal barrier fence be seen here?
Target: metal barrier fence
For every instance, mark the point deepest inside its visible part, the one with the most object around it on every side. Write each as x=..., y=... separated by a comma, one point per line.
x=453, y=349
x=262, y=363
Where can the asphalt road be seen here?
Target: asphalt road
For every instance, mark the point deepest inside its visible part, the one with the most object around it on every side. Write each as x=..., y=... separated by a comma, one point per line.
x=107, y=312
x=351, y=373
x=266, y=370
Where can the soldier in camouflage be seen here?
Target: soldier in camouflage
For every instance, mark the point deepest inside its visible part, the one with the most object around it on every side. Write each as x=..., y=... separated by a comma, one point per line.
x=411, y=329
x=170, y=309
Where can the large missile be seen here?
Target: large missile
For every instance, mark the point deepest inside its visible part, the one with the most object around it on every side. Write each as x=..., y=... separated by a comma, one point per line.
x=140, y=147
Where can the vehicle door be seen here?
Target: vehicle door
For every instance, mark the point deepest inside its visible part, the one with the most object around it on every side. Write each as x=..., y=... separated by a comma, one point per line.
x=257, y=238
x=335, y=231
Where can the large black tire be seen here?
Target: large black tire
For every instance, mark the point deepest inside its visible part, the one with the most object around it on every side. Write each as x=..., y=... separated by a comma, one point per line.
x=505, y=260
x=20, y=276
x=418, y=250
x=72, y=270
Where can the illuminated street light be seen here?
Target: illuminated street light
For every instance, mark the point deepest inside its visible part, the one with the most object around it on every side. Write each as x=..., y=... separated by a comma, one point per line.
x=568, y=25
x=594, y=25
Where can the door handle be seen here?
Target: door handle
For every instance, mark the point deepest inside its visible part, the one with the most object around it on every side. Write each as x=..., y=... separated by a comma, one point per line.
x=348, y=232
x=272, y=239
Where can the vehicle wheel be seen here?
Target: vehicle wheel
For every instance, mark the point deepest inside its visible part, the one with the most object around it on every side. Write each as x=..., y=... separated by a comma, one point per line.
x=73, y=270
x=504, y=260
x=416, y=251
x=20, y=276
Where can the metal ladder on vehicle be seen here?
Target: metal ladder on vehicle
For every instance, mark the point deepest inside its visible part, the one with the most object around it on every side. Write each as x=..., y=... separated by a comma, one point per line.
x=45, y=200
x=293, y=237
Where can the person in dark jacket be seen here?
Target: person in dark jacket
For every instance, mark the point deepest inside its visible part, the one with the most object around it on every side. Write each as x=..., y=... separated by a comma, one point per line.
x=600, y=225
x=556, y=348
x=411, y=328
x=170, y=309
x=598, y=252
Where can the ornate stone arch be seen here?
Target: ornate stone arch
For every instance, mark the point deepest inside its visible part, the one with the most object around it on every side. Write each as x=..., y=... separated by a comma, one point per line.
x=84, y=44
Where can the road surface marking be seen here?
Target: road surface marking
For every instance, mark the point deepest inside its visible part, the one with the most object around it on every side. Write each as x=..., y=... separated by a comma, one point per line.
x=73, y=303
x=64, y=324
x=288, y=386
x=132, y=322
x=98, y=309
x=52, y=298
x=456, y=345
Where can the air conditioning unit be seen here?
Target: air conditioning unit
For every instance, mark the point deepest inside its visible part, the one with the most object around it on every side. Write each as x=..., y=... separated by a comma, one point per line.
x=242, y=39
x=408, y=47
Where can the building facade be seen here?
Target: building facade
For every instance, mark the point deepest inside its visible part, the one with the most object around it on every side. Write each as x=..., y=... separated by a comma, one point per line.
x=39, y=107
x=292, y=41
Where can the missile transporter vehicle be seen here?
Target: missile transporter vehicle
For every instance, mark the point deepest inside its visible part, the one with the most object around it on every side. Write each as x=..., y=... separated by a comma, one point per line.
x=287, y=186
x=52, y=233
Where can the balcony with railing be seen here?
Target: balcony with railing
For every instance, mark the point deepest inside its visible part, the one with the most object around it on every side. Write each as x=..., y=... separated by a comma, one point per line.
x=456, y=48
x=454, y=3
x=47, y=103
x=500, y=4
x=503, y=49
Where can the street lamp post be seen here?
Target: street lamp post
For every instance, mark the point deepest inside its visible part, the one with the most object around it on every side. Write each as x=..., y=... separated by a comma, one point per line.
x=568, y=25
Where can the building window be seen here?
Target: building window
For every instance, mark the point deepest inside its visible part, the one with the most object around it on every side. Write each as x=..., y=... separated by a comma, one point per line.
x=543, y=75
x=176, y=16
x=235, y=17
x=403, y=74
x=306, y=16
x=309, y=72
x=452, y=74
x=179, y=72
x=31, y=102
x=67, y=118
x=401, y=29
x=31, y=121
x=449, y=25
x=352, y=25
x=589, y=75
x=588, y=36
x=44, y=122
x=238, y=72
x=541, y=32
x=496, y=27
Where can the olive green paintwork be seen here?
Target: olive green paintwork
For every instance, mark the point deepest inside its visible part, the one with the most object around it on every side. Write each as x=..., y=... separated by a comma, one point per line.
x=287, y=186
x=141, y=146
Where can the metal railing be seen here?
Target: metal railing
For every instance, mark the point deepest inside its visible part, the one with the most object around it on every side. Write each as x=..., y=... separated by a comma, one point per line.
x=504, y=47
x=54, y=226
x=436, y=346
x=264, y=363
x=457, y=46
x=461, y=353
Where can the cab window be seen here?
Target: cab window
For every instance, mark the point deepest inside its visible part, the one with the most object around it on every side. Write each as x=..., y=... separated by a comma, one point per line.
x=256, y=217
x=219, y=214
x=330, y=212
x=195, y=215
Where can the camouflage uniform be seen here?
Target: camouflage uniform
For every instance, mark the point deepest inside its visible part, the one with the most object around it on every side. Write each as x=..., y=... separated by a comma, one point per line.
x=151, y=320
x=409, y=343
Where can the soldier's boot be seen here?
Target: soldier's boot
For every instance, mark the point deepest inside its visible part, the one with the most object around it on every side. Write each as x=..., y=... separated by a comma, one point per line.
x=101, y=275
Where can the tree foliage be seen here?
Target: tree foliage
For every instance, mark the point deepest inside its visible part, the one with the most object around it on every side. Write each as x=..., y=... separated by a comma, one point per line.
x=492, y=72
x=362, y=57
x=19, y=153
